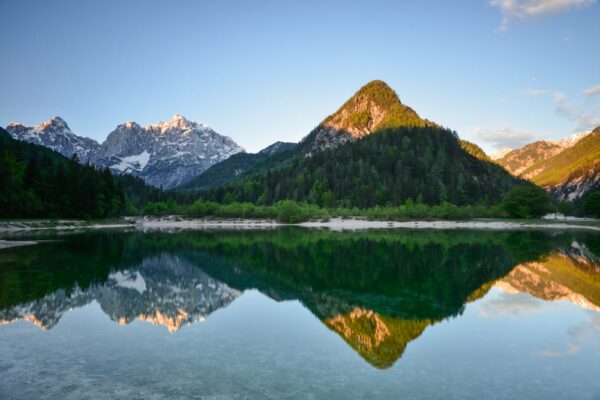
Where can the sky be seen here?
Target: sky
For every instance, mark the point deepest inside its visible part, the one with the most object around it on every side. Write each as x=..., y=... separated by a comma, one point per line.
x=501, y=73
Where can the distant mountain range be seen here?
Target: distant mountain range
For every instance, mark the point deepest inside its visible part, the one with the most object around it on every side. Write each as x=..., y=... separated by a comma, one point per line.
x=165, y=154
x=568, y=168
x=412, y=158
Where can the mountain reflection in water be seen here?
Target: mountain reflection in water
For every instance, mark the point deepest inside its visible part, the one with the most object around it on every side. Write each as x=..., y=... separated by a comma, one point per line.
x=377, y=290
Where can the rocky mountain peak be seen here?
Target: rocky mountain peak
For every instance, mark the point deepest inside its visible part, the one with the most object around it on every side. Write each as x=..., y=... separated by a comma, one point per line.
x=164, y=154
x=167, y=153
x=178, y=122
x=130, y=125
x=56, y=123
x=374, y=106
x=56, y=135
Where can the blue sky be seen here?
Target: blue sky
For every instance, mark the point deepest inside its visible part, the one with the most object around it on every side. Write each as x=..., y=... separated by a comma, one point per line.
x=499, y=72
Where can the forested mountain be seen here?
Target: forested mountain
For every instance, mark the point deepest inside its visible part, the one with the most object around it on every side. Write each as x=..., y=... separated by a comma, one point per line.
x=237, y=166
x=390, y=167
x=376, y=151
x=375, y=106
x=38, y=182
x=573, y=172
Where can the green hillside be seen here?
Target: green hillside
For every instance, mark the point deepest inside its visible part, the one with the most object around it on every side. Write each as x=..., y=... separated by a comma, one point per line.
x=389, y=167
x=572, y=163
x=475, y=150
x=240, y=165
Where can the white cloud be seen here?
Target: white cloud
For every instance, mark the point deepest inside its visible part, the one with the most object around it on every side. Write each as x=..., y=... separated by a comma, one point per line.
x=586, y=116
x=556, y=95
x=513, y=304
x=504, y=136
x=524, y=9
x=592, y=91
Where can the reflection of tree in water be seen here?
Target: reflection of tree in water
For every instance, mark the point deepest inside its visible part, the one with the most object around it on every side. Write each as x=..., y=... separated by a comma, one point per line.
x=378, y=290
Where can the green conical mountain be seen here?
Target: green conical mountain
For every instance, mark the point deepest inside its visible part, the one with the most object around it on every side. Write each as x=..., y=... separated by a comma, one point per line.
x=375, y=106
x=375, y=151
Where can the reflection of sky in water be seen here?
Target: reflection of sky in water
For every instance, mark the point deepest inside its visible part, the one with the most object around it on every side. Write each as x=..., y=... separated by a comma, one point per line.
x=189, y=324
x=259, y=348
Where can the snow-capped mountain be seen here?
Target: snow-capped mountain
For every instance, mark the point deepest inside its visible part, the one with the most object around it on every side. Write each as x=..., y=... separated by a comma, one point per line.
x=56, y=135
x=164, y=290
x=519, y=160
x=164, y=154
x=572, y=140
x=500, y=153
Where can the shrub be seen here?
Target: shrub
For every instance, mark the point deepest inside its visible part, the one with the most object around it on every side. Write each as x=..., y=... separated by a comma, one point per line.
x=526, y=202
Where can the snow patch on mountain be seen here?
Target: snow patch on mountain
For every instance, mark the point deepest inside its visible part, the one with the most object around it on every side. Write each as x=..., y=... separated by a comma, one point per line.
x=571, y=140
x=165, y=154
x=132, y=163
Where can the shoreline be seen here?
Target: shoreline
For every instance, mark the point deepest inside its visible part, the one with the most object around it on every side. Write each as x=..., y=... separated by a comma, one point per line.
x=7, y=244
x=334, y=224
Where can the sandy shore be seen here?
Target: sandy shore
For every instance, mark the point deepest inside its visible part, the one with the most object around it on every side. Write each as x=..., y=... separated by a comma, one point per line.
x=5, y=244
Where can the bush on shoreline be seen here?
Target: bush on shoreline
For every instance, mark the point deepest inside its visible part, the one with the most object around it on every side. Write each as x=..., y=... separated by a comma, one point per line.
x=289, y=211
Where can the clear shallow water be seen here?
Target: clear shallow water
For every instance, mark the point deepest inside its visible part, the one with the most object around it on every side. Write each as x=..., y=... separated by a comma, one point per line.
x=295, y=314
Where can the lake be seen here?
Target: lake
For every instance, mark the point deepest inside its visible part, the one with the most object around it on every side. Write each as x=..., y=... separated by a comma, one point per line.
x=293, y=313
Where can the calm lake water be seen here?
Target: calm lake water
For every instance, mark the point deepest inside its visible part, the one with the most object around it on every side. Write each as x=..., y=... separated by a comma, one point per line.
x=301, y=314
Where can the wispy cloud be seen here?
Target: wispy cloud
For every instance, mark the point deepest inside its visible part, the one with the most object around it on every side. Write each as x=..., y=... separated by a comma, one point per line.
x=585, y=115
x=505, y=136
x=556, y=95
x=511, y=304
x=585, y=118
x=592, y=91
x=525, y=9
x=587, y=332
